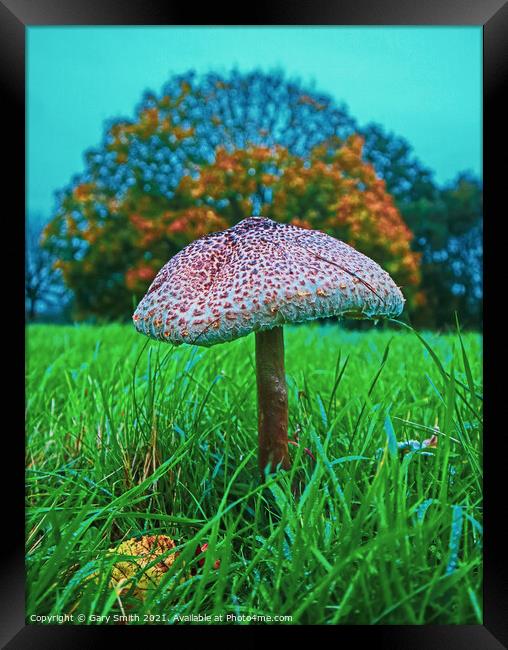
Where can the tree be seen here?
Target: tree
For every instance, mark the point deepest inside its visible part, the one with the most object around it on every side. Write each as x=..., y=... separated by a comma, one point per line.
x=333, y=189
x=44, y=290
x=212, y=150
x=448, y=234
x=406, y=178
x=116, y=254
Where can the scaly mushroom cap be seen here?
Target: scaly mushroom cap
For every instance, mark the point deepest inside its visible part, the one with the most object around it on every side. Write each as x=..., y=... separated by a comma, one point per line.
x=258, y=275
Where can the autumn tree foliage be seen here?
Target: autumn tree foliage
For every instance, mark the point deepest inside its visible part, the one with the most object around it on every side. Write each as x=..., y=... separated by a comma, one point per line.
x=204, y=155
x=333, y=190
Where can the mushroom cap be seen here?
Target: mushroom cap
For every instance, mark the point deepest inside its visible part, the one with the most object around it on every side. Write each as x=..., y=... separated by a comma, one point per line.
x=258, y=275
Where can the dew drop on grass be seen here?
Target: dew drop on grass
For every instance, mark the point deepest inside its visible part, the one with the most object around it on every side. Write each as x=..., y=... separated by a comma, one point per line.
x=456, y=531
x=422, y=509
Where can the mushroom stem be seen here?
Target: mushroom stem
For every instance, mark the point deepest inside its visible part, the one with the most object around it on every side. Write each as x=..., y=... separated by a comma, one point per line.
x=272, y=400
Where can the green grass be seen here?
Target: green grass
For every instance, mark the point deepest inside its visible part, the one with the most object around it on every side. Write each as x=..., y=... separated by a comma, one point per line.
x=127, y=436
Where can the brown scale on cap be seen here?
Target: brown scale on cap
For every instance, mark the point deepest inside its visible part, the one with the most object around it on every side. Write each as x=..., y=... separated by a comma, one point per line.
x=258, y=275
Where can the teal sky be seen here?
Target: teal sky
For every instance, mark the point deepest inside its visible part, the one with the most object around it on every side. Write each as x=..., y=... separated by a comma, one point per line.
x=424, y=83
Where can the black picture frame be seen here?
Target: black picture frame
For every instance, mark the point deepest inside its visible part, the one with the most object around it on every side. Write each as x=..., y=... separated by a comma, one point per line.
x=15, y=17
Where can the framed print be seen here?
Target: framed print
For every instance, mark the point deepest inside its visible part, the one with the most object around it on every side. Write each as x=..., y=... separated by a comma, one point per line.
x=253, y=324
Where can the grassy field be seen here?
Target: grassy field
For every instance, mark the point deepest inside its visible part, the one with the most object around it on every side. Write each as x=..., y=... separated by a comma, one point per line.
x=127, y=437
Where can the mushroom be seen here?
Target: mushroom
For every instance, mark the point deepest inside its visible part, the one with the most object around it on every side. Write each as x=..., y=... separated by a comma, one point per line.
x=256, y=277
